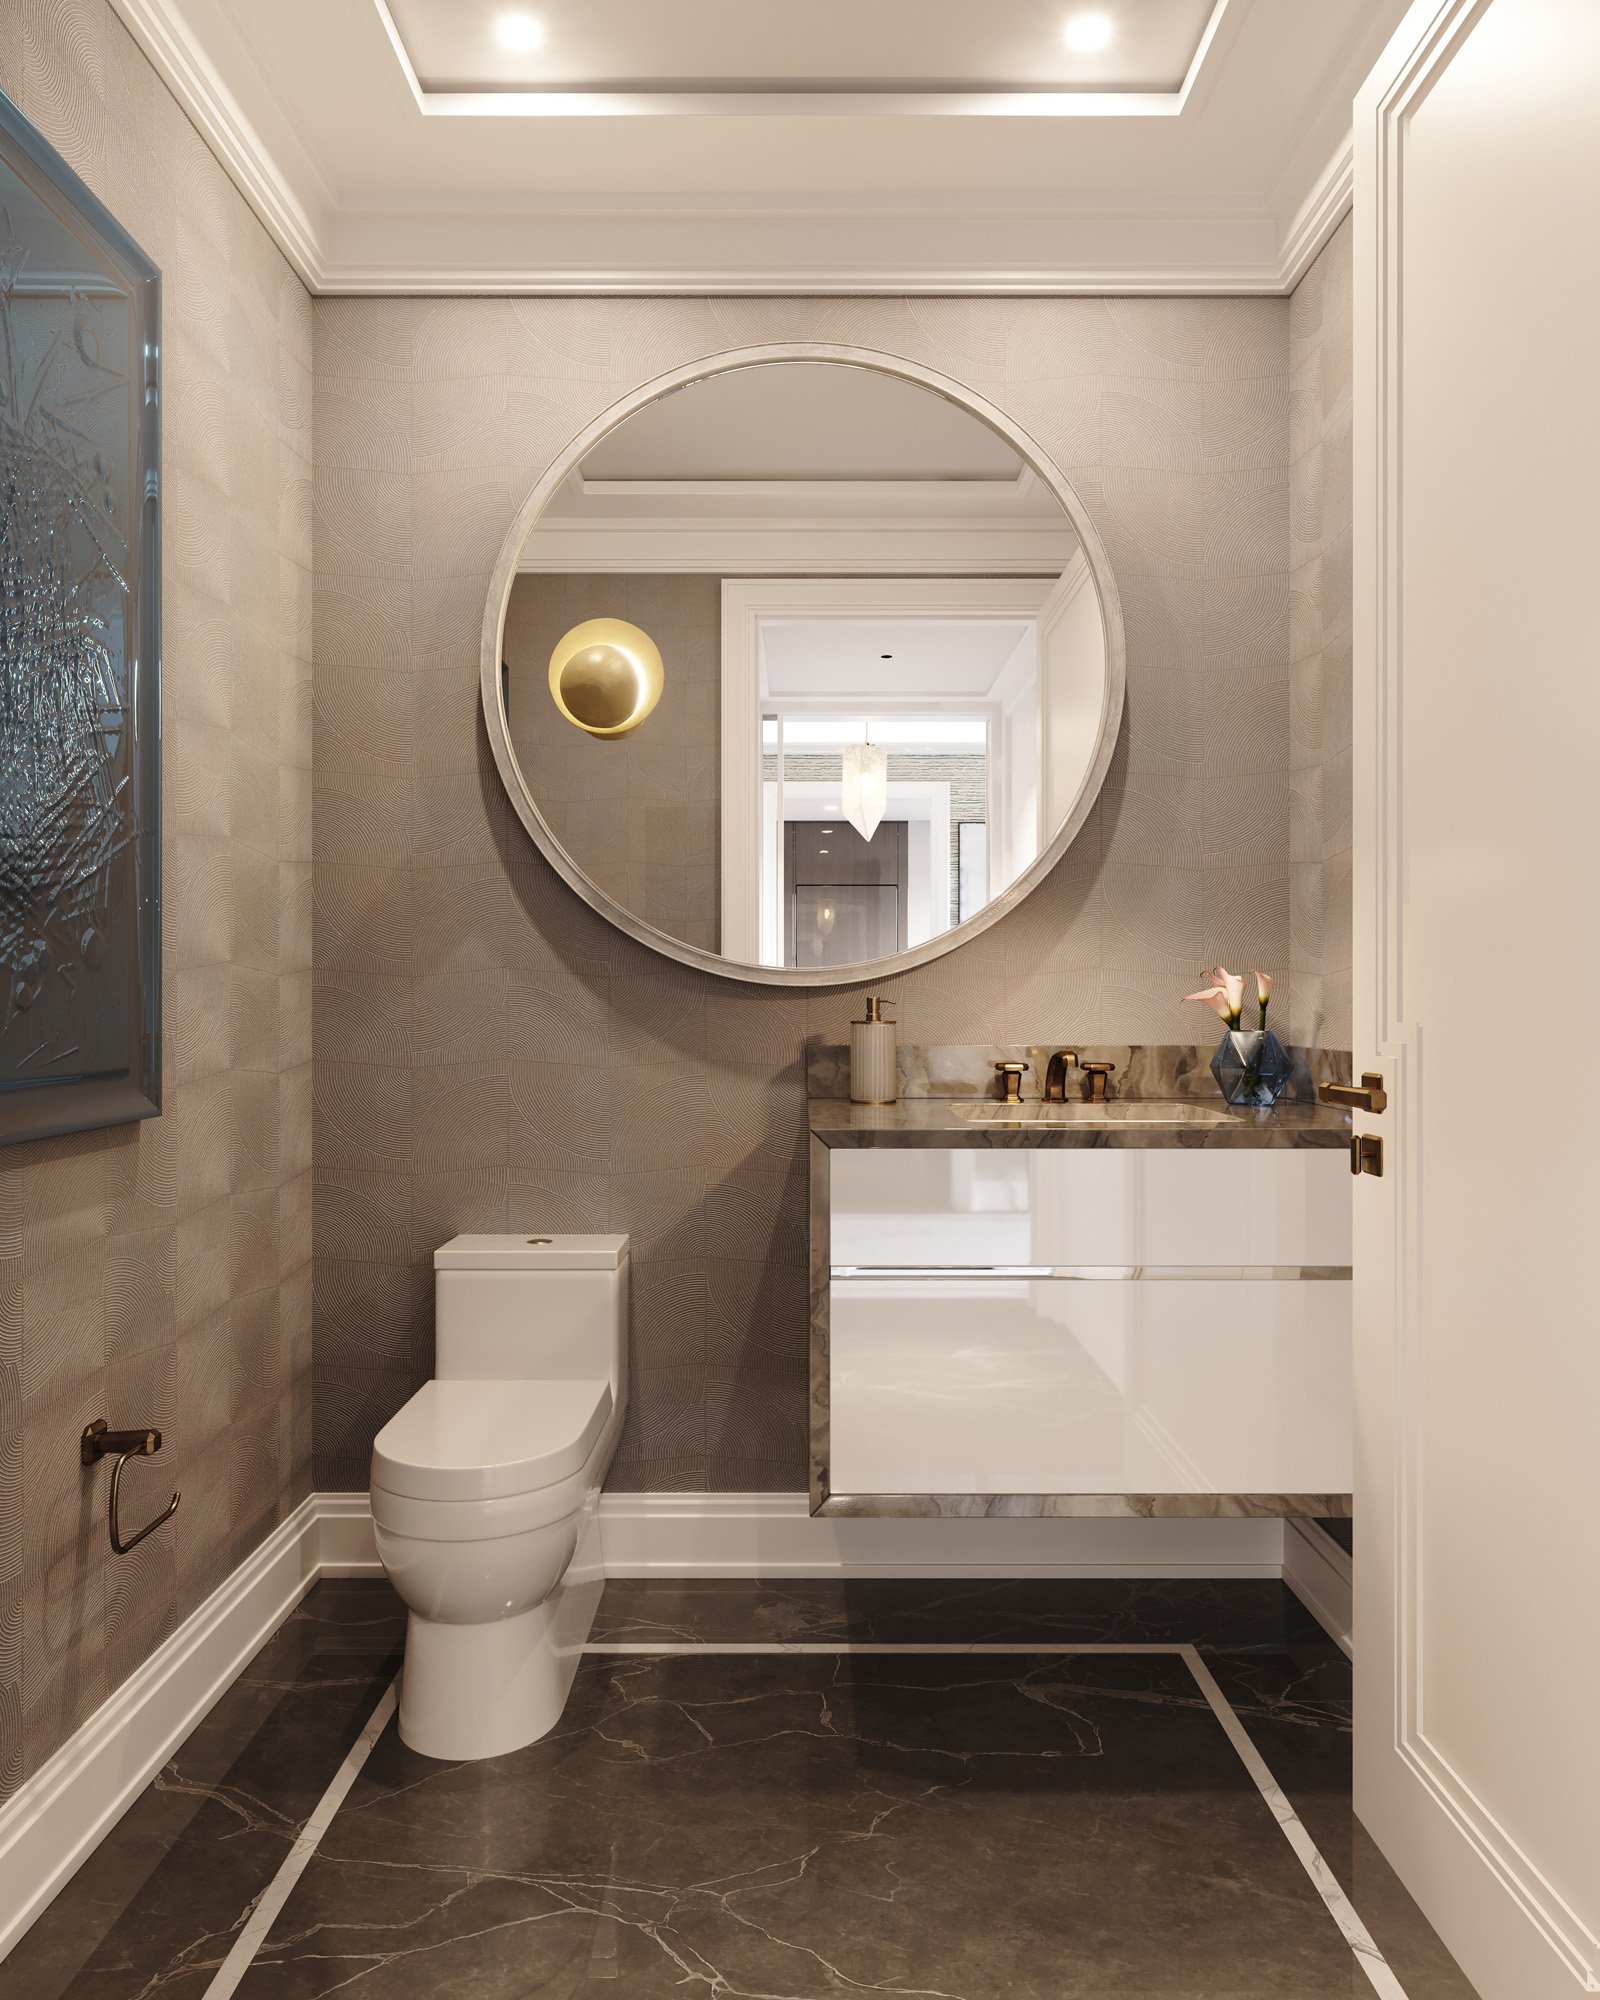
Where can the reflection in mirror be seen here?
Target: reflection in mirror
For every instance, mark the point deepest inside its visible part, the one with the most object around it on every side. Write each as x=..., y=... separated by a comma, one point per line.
x=883, y=679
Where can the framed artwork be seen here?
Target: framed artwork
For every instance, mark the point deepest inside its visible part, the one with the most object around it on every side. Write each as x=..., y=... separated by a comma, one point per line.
x=80, y=600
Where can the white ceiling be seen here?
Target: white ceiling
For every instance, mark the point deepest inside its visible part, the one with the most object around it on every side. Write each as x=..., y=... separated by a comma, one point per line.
x=803, y=421
x=931, y=659
x=884, y=45
x=785, y=468
x=853, y=145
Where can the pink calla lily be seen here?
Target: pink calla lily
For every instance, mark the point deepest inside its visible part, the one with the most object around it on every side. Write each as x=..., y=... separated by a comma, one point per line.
x=1233, y=985
x=1217, y=1000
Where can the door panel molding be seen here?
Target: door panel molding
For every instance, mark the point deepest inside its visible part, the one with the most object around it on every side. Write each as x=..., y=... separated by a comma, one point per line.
x=1392, y=1630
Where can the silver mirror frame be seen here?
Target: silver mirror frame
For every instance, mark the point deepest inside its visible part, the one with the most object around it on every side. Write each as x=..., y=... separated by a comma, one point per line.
x=526, y=807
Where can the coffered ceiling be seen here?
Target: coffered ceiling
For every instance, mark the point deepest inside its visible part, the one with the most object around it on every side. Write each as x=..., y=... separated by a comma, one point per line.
x=851, y=145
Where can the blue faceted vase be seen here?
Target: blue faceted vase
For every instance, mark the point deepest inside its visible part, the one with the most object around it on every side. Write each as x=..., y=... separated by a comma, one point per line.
x=1251, y=1066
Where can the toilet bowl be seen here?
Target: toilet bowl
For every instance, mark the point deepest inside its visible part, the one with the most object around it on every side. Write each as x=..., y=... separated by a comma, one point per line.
x=484, y=1486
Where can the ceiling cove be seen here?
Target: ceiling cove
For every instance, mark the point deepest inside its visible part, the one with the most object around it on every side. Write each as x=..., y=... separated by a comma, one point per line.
x=866, y=147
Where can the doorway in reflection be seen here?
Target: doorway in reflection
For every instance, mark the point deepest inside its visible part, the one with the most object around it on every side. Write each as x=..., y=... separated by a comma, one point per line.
x=841, y=887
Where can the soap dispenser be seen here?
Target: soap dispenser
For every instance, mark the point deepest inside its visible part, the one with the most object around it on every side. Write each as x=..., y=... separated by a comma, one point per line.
x=872, y=1058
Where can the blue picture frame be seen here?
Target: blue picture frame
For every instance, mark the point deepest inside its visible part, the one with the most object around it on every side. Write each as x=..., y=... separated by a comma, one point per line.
x=80, y=653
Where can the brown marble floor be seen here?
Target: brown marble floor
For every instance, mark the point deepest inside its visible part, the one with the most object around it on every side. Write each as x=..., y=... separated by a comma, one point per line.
x=795, y=1825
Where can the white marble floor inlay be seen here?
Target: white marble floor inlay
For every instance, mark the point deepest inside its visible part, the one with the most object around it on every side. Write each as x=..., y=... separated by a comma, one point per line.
x=233, y=1968
x=1379, y=1973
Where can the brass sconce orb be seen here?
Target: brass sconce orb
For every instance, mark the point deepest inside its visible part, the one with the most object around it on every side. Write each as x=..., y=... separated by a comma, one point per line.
x=606, y=676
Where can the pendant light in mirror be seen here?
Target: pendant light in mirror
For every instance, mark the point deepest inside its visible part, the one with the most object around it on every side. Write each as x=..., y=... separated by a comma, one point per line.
x=866, y=785
x=606, y=676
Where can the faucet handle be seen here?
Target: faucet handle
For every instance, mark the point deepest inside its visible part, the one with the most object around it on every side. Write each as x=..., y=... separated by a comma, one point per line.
x=1097, y=1072
x=1011, y=1075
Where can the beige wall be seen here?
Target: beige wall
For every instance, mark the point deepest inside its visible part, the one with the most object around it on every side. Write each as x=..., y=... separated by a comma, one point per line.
x=1319, y=632
x=490, y=1055
x=161, y=1272
x=638, y=813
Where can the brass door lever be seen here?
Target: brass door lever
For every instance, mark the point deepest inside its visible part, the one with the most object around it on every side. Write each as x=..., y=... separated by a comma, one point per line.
x=1367, y=1095
x=99, y=1442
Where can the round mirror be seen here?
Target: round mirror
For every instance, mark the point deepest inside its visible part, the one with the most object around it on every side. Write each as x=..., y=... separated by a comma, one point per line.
x=803, y=665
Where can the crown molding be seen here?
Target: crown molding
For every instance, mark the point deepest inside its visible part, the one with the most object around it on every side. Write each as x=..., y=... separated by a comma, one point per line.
x=792, y=547
x=1318, y=216
x=779, y=245
x=186, y=70
x=762, y=246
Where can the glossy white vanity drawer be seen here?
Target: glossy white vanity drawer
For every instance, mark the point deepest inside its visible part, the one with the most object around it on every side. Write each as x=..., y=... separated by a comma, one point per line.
x=1057, y=1385
x=968, y=1207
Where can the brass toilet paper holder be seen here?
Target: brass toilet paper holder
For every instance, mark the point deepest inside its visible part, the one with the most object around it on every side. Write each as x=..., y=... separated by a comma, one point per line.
x=100, y=1442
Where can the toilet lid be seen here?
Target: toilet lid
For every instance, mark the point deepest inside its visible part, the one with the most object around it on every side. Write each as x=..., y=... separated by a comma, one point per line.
x=484, y=1440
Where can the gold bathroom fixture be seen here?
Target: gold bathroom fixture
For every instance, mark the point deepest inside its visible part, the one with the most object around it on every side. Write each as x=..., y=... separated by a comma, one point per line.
x=606, y=676
x=100, y=1442
x=1055, y=1075
x=1011, y=1075
x=1367, y=1095
x=1097, y=1072
x=1366, y=1154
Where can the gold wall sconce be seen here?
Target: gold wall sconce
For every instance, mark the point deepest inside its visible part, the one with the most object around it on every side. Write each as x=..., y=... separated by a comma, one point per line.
x=606, y=676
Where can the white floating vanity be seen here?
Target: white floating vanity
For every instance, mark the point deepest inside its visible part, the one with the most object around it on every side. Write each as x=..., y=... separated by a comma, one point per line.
x=1080, y=1310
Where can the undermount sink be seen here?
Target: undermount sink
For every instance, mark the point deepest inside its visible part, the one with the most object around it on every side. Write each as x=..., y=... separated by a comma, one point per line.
x=1117, y=1112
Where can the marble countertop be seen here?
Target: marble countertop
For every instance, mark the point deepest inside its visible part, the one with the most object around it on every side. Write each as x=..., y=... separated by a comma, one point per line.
x=1121, y=1124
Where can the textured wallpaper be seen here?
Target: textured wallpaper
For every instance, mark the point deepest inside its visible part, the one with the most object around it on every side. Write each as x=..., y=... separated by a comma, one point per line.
x=638, y=813
x=490, y=1055
x=161, y=1273
x=1320, y=502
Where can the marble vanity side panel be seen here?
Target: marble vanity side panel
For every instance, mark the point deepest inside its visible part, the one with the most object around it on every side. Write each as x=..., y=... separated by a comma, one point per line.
x=489, y=1053
x=1087, y=1506
x=821, y=1281
x=160, y=1272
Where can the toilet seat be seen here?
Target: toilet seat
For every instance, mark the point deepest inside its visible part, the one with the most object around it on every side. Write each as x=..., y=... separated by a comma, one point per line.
x=469, y=1440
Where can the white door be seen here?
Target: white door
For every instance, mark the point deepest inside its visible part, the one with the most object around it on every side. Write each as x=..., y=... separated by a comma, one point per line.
x=1477, y=826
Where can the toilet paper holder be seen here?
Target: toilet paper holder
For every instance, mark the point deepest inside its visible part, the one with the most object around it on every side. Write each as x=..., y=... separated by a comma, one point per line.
x=98, y=1442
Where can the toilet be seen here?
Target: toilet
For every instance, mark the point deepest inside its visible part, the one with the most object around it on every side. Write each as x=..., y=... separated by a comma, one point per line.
x=484, y=1486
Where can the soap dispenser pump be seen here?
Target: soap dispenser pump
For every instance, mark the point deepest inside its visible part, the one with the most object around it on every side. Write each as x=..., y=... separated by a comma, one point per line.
x=872, y=1057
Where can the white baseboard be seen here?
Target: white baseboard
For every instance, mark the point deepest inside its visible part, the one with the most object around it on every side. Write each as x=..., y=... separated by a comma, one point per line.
x=1317, y=1570
x=57, y=1818
x=64, y=1810
x=775, y=1534
x=345, y=1544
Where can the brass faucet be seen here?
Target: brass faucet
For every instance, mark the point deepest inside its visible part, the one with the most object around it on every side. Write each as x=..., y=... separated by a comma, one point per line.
x=1055, y=1076
x=1097, y=1072
x=1011, y=1075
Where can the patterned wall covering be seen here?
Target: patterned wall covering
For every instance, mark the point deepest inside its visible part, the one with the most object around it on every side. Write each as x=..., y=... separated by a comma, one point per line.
x=161, y=1272
x=1319, y=632
x=639, y=813
x=489, y=1054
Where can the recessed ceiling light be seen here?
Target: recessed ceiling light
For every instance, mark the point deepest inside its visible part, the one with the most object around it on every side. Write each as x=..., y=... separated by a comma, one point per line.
x=1086, y=34
x=518, y=32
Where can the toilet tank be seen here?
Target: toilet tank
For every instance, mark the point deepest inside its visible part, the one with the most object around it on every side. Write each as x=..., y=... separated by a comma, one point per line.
x=525, y=1308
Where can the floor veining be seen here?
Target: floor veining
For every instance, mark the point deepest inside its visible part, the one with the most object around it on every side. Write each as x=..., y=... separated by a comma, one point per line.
x=787, y=1791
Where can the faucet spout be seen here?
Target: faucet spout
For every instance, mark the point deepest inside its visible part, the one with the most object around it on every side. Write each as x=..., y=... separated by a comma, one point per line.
x=1055, y=1076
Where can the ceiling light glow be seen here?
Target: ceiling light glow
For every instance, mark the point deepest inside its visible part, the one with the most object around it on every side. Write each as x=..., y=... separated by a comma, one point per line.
x=1087, y=34
x=520, y=33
